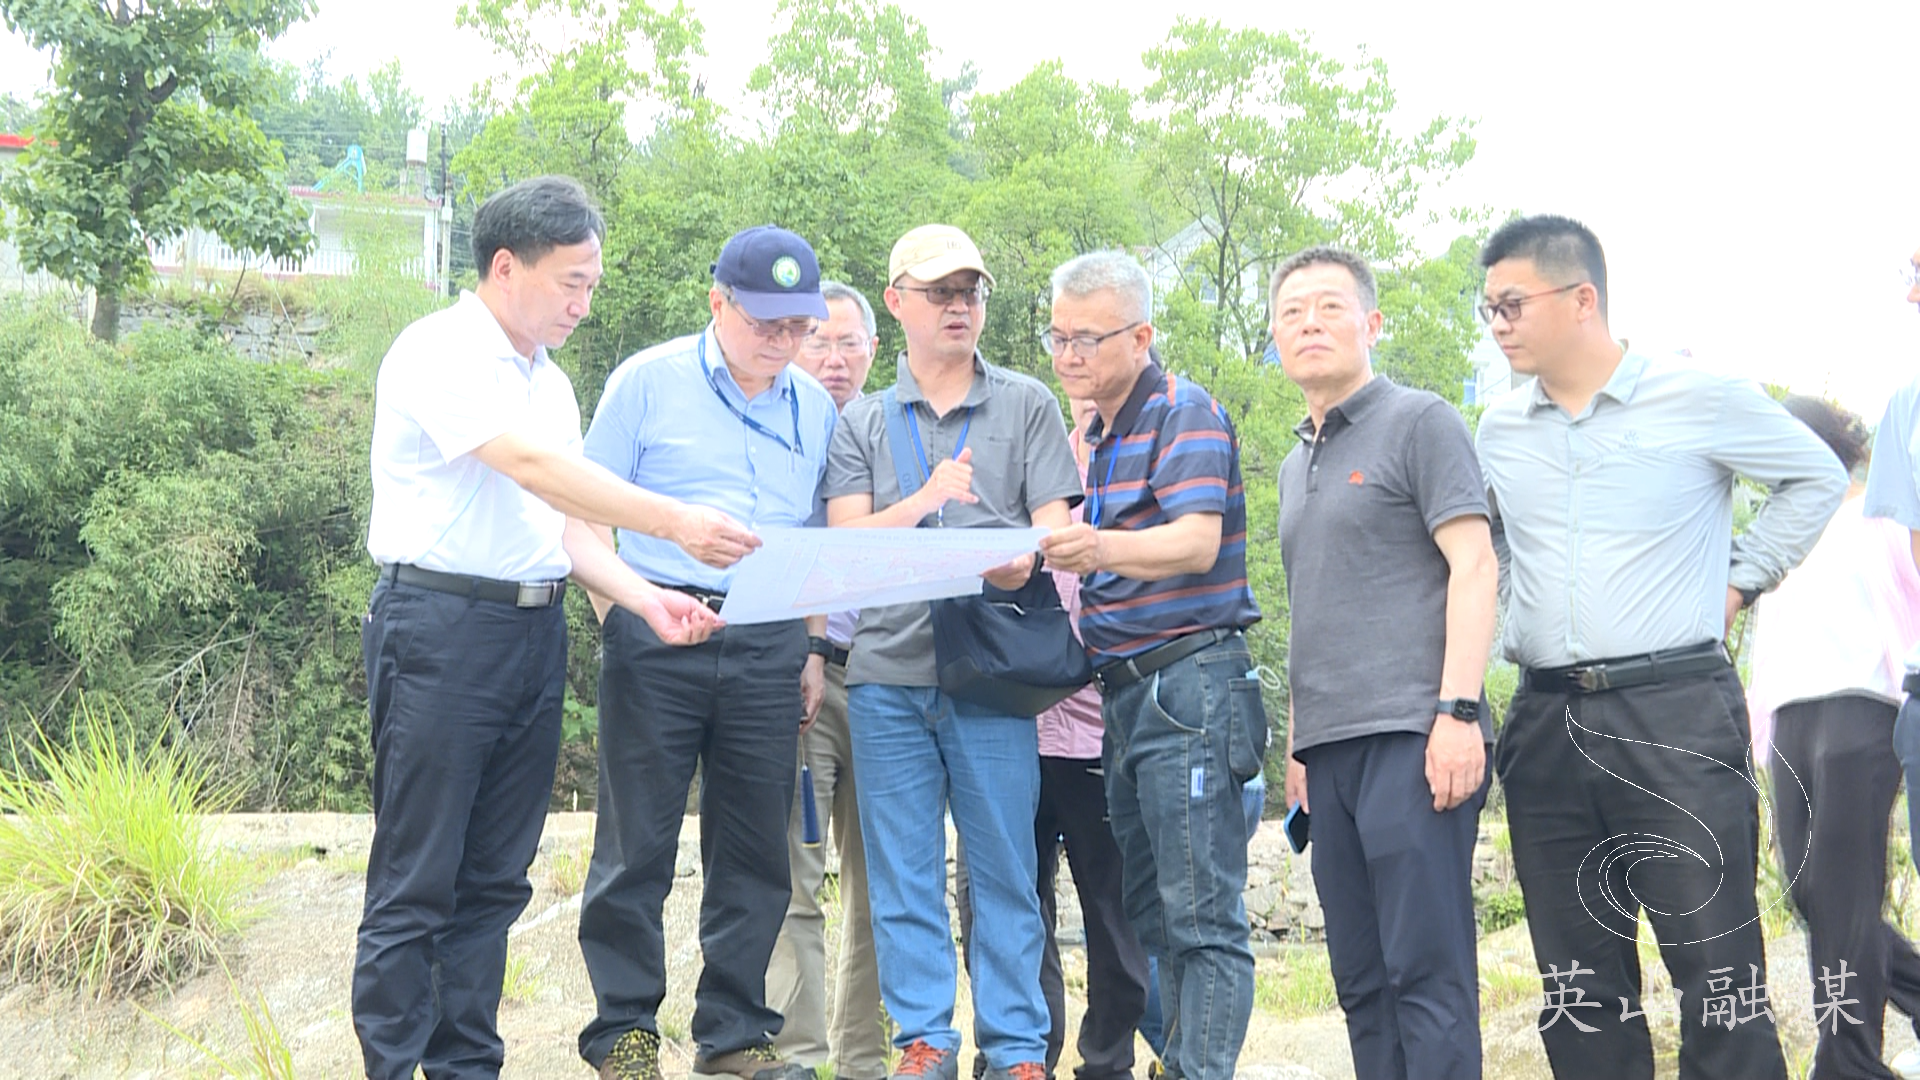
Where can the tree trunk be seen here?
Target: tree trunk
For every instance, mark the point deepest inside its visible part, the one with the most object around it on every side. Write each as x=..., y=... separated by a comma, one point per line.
x=106, y=314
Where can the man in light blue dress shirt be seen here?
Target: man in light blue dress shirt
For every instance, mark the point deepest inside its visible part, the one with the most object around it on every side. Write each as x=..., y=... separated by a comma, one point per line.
x=1624, y=755
x=1893, y=491
x=720, y=418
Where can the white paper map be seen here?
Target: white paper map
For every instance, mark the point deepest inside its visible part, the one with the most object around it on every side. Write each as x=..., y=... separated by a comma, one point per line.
x=800, y=572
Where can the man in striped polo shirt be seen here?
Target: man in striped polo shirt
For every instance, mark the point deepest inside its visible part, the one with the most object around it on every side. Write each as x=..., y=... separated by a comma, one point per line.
x=1164, y=601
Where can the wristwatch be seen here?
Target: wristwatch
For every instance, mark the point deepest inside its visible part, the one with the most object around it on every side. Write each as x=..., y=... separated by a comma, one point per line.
x=1459, y=708
x=819, y=646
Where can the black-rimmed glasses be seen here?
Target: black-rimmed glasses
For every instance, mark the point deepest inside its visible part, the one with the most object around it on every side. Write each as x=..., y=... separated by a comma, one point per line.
x=1085, y=346
x=1509, y=309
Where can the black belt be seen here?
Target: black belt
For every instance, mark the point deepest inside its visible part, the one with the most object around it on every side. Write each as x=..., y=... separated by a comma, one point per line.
x=711, y=599
x=1911, y=684
x=1126, y=672
x=526, y=594
x=838, y=655
x=1596, y=676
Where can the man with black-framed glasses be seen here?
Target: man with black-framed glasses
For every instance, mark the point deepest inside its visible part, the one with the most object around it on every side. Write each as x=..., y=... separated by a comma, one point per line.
x=719, y=418
x=1165, y=603
x=1624, y=756
x=850, y=1036
x=918, y=751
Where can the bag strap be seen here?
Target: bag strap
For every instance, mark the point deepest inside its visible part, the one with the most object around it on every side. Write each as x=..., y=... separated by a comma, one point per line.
x=897, y=441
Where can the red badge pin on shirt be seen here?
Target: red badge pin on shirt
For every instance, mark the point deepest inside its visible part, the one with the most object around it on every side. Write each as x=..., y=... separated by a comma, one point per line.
x=1356, y=477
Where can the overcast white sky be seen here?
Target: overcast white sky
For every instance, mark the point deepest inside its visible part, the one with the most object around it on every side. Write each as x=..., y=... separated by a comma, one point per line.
x=1753, y=172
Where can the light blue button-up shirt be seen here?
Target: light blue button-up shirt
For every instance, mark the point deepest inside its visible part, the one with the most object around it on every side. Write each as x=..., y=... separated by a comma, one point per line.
x=663, y=426
x=1893, y=480
x=1615, y=528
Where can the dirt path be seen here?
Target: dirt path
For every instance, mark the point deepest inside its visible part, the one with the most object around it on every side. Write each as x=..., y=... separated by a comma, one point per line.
x=298, y=956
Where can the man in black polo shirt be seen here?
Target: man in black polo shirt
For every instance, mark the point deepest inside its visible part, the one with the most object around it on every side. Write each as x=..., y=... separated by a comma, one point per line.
x=1392, y=579
x=1163, y=553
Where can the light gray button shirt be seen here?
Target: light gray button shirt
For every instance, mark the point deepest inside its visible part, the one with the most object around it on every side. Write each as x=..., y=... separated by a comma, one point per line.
x=1615, y=527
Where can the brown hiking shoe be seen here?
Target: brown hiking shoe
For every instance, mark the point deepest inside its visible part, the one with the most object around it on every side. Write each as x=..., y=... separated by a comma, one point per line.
x=761, y=1062
x=635, y=1056
x=920, y=1061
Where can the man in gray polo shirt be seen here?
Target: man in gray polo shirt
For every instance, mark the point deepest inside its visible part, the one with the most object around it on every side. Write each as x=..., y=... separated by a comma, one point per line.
x=918, y=751
x=1392, y=580
x=1624, y=756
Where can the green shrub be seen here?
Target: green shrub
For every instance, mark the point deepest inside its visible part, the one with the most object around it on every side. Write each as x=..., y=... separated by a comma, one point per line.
x=106, y=880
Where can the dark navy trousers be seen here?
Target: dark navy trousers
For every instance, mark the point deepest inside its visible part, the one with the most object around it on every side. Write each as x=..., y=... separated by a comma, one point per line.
x=465, y=701
x=1396, y=883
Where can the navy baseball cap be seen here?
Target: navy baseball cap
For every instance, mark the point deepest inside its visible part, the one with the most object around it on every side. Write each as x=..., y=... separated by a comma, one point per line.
x=773, y=274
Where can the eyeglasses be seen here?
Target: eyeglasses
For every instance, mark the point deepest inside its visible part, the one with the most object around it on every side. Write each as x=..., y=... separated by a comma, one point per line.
x=942, y=295
x=818, y=347
x=790, y=330
x=1085, y=346
x=1509, y=309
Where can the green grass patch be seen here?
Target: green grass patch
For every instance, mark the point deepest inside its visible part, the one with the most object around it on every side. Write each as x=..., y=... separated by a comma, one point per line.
x=1298, y=984
x=107, y=883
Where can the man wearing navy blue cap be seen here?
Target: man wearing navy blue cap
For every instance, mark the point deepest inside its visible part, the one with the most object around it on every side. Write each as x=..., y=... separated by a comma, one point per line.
x=722, y=419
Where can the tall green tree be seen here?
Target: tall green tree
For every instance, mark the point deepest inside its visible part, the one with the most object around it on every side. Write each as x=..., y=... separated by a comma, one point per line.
x=1262, y=145
x=315, y=120
x=1054, y=181
x=149, y=131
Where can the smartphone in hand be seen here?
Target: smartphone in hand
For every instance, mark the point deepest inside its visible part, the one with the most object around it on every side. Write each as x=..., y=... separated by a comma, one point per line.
x=1295, y=823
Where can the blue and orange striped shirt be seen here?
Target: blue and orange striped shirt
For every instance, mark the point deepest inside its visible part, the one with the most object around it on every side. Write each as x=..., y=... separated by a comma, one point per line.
x=1171, y=452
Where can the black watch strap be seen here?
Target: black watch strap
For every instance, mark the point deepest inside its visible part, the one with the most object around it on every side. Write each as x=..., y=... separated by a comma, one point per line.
x=1459, y=708
x=819, y=646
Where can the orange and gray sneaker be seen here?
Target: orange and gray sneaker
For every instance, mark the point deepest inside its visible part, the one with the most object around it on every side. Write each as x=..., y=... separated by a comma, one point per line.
x=920, y=1061
x=635, y=1056
x=758, y=1062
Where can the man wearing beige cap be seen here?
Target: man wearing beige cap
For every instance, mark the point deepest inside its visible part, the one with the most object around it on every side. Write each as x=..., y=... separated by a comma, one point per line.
x=917, y=751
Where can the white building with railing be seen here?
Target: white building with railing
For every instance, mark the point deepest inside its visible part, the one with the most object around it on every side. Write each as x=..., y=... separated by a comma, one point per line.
x=420, y=226
x=336, y=220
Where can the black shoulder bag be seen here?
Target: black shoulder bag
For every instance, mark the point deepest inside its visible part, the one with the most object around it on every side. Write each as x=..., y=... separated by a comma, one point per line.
x=1010, y=651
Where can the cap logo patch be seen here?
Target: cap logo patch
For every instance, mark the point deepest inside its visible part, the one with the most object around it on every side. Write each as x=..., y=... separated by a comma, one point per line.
x=786, y=271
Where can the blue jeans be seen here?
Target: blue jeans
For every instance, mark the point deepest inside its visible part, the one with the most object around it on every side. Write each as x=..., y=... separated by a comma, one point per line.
x=1906, y=745
x=1153, y=1025
x=1179, y=745
x=918, y=753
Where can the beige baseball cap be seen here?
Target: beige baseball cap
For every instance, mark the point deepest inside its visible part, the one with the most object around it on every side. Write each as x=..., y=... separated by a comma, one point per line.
x=931, y=252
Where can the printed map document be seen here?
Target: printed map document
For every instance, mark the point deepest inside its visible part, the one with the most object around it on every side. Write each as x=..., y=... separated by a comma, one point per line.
x=800, y=572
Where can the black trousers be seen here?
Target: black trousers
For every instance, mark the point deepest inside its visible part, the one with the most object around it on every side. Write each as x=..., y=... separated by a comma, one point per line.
x=1395, y=880
x=732, y=704
x=1834, y=781
x=1631, y=800
x=465, y=700
x=1073, y=809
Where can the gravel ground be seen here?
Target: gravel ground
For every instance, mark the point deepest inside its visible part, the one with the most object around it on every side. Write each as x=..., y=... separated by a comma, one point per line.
x=297, y=959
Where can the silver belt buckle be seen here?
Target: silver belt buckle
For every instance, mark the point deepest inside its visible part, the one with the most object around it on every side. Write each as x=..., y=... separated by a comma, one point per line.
x=535, y=594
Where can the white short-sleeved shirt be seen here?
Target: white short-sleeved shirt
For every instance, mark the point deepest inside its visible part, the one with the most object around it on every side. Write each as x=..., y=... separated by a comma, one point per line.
x=450, y=384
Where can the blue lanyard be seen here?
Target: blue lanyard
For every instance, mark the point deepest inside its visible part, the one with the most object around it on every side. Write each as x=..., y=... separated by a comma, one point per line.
x=1098, y=496
x=793, y=400
x=926, y=474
